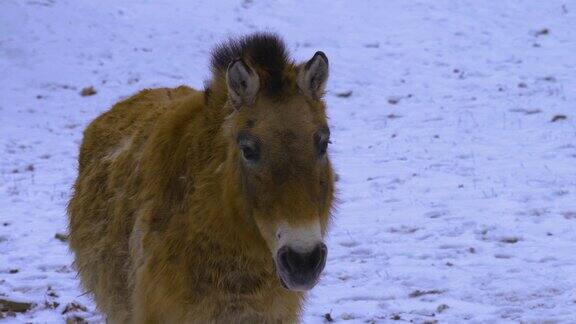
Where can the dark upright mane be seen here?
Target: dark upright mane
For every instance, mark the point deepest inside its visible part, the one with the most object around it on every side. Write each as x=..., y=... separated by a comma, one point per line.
x=266, y=52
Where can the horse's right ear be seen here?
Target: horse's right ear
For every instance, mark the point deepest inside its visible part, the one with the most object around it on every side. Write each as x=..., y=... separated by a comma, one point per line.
x=243, y=83
x=313, y=75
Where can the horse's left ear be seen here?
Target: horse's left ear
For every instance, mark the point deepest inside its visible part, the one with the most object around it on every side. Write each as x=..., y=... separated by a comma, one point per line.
x=313, y=75
x=243, y=83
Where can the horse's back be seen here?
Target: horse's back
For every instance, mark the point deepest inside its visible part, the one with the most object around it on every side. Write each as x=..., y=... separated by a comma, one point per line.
x=135, y=113
x=102, y=210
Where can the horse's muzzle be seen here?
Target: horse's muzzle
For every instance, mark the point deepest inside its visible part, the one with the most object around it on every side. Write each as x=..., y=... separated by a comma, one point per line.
x=300, y=271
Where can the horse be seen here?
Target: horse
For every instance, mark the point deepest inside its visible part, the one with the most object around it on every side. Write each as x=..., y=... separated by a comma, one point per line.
x=209, y=206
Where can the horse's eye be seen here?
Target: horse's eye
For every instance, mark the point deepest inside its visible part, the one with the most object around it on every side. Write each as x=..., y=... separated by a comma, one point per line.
x=249, y=146
x=322, y=147
x=250, y=153
x=321, y=143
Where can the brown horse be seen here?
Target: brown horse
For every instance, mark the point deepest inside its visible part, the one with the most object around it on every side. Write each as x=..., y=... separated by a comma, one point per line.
x=209, y=207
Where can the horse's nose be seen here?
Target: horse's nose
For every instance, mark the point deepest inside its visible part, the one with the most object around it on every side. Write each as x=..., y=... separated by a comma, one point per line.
x=302, y=268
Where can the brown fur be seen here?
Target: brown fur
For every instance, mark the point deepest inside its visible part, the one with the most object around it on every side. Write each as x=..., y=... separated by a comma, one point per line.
x=170, y=225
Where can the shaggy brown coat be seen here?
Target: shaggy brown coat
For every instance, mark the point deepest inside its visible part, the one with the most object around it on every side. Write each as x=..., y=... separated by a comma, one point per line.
x=168, y=221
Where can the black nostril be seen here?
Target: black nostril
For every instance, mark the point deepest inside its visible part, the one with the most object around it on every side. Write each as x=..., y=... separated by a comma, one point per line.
x=321, y=250
x=285, y=258
x=291, y=260
x=317, y=258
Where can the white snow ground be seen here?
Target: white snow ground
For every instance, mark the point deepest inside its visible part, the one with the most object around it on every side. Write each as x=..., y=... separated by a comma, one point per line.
x=458, y=192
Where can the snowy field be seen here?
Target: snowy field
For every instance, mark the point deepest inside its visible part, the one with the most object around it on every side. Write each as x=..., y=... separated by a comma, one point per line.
x=453, y=129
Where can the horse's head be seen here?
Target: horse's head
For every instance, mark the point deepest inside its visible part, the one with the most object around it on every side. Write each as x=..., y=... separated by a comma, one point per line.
x=278, y=154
